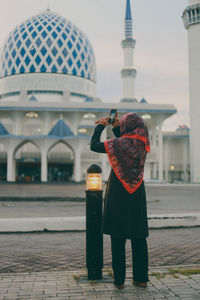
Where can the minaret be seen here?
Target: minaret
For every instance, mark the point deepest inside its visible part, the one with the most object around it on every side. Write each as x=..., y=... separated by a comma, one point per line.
x=191, y=19
x=128, y=73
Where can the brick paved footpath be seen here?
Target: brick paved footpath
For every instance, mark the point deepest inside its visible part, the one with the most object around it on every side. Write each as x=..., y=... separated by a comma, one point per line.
x=52, y=266
x=74, y=285
x=65, y=251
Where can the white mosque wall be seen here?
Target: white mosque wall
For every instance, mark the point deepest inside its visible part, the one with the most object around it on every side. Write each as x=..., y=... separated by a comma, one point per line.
x=19, y=123
x=46, y=82
x=147, y=172
x=8, y=124
x=11, y=98
x=76, y=99
x=176, y=158
x=175, y=153
x=194, y=90
x=23, y=125
x=52, y=98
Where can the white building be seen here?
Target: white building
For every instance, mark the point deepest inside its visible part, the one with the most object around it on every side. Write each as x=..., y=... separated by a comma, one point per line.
x=176, y=151
x=48, y=105
x=191, y=18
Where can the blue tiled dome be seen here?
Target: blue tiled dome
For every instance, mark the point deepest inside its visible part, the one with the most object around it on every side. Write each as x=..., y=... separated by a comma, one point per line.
x=48, y=43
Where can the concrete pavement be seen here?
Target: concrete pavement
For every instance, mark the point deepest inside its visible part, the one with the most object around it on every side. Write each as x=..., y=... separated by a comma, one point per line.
x=79, y=223
x=62, y=207
x=169, y=198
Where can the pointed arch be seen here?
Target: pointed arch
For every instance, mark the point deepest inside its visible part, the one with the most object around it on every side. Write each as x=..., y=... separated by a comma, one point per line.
x=60, y=161
x=24, y=142
x=27, y=156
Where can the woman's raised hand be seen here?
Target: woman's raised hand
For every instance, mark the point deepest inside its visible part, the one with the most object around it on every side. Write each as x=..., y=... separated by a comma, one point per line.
x=103, y=121
x=116, y=123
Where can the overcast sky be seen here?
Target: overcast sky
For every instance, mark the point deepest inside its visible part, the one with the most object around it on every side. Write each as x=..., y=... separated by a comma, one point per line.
x=160, y=55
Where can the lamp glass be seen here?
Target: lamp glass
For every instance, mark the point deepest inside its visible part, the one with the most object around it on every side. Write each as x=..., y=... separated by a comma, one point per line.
x=94, y=182
x=172, y=168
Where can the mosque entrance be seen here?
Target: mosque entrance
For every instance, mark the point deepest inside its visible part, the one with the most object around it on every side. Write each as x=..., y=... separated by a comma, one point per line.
x=3, y=171
x=59, y=172
x=28, y=167
x=60, y=163
x=28, y=171
x=3, y=163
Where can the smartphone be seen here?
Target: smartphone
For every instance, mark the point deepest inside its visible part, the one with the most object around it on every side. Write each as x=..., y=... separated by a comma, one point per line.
x=112, y=116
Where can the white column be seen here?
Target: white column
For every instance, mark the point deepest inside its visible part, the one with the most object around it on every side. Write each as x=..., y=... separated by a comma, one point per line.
x=44, y=167
x=77, y=166
x=184, y=147
x=154, y=137
x=17, y=118
x=160, y=151
x=74, y=121
x=194, y=92
x=11, y=165
x=166, y=159
x=46, y=120
x=154, y=151
x=154, y=170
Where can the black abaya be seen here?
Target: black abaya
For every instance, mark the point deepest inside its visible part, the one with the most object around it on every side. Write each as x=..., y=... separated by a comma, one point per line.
x=125, y=214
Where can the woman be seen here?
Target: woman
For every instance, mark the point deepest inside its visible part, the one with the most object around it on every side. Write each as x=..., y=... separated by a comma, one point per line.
x=125, y=213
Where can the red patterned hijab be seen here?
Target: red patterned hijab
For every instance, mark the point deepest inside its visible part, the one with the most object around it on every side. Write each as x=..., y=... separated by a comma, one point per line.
x=127, y=154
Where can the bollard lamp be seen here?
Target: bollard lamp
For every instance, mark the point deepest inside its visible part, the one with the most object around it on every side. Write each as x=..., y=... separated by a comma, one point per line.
x=172, y=168
x=94, y=178
x=94, y=235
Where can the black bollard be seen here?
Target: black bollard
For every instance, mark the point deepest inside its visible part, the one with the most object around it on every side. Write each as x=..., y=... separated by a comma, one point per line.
x=94, y=236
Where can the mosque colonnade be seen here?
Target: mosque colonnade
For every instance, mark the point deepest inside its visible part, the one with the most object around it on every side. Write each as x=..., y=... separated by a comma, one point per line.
x=76, y=137
x=44, y=146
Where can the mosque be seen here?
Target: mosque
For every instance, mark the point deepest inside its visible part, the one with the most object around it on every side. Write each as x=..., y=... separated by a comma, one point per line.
x=48, y=106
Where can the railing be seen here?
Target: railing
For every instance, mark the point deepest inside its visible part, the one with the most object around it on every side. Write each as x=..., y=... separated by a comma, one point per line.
x=191, y=15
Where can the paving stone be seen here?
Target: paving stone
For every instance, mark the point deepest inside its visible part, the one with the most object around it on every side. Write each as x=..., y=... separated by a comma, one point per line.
x=66, y=251
x=173, y=298
x=42, y=273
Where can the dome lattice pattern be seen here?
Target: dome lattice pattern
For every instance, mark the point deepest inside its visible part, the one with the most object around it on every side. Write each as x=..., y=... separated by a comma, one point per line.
x=48, y=43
